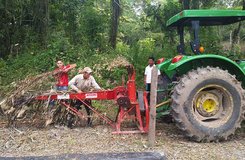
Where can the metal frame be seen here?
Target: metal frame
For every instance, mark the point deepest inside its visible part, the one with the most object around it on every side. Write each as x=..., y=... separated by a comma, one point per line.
x=125, y=96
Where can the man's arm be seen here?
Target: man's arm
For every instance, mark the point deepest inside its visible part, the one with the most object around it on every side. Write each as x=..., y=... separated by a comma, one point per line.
x=72, y=83
x=95, y=84
x=56, y=71
x=71, y=66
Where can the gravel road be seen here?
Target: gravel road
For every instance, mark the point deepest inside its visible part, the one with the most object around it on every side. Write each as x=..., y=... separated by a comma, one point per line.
x=59, y=140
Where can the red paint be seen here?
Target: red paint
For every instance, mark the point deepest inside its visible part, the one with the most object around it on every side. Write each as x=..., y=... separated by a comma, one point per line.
x=177, y=58
x=159, y=61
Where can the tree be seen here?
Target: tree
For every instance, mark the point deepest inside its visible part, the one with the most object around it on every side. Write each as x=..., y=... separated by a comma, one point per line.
x=235, y=32
x=115, y=9
x=185, y=3
x=195, y=4
x=41, y=19
x=15, y=26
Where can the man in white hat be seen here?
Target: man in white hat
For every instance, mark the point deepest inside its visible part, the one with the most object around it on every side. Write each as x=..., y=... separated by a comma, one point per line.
x=83, y=82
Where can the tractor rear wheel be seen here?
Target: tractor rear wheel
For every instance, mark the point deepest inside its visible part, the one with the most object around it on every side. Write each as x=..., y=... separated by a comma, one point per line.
x=208, y=104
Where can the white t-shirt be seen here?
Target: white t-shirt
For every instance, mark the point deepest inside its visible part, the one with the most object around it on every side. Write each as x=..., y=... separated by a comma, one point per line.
x=148, y=70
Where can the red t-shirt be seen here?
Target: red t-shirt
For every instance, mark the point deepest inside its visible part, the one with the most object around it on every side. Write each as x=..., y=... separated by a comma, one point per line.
x=62, y=77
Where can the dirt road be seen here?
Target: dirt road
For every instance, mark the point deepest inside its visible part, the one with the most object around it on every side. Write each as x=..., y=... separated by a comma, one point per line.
x=27, y=141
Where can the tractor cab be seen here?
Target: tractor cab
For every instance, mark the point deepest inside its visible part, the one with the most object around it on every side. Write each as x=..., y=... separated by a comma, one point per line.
x=197, y=18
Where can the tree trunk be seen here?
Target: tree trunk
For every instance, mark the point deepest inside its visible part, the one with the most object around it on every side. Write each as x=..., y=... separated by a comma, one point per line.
x=235, y=33
x=195, y=4
x=235, y=37
x=186, y=4
x=115, y=6
x=41, y=18
x=5, y=26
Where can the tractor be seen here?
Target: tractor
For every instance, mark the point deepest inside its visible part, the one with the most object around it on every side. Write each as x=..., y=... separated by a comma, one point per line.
x=207, y=91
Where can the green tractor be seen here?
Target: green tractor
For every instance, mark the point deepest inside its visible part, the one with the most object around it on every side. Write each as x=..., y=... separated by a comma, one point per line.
x=207, y=91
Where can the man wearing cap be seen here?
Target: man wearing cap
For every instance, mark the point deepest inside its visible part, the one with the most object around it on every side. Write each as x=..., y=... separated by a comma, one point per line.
x=83, y=82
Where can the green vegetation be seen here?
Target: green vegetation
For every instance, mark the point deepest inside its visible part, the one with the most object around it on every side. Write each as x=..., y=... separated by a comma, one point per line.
x=34, y=33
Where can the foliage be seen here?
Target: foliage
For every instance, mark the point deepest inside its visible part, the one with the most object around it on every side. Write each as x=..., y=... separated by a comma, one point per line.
x=211, y=43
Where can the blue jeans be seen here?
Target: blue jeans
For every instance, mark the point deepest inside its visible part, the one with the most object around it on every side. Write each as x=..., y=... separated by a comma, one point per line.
x=61, y=88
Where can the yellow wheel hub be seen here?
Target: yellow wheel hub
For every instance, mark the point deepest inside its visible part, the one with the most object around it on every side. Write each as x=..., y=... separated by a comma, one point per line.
x=207, y=104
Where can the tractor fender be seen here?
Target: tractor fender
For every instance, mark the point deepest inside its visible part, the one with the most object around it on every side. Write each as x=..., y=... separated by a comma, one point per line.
x=188, y=63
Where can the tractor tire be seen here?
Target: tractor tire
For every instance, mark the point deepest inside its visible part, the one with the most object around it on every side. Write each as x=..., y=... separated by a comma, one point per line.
x=208, y=104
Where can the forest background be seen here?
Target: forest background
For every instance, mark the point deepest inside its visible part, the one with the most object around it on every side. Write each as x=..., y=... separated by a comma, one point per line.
x=96, y=33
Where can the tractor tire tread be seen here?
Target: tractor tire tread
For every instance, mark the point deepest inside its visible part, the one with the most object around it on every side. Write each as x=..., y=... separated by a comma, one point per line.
x=177, y=110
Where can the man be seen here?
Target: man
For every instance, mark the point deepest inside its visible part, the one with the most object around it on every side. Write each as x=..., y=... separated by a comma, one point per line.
x=148, y=70
x=83, y=82
x=61, y=75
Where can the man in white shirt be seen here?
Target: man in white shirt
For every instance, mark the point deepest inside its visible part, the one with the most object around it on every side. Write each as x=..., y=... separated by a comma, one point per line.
x=148, y=70
x=83, y=82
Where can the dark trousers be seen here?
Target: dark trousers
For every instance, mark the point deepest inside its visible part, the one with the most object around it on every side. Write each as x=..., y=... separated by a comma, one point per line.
x=78, y=104
x=148, y=89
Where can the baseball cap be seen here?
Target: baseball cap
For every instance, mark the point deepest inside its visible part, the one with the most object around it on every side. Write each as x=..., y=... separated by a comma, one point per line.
x=87, y=69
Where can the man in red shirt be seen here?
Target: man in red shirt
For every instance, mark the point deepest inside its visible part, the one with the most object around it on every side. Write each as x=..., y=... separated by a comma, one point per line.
x=61, y=75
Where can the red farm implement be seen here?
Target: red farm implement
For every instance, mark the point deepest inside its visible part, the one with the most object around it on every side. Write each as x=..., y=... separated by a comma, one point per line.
x=125, y=97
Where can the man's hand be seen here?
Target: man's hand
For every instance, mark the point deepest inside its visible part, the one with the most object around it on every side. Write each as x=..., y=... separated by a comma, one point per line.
x=56, y=72
x=71, y=67
x=79, y=91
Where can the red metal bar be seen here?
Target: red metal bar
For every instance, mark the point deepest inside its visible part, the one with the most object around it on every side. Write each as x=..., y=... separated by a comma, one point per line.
x=131, y=86
x=97, y=95
x=107, y=119
x=122, y=116
x=146, y=128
